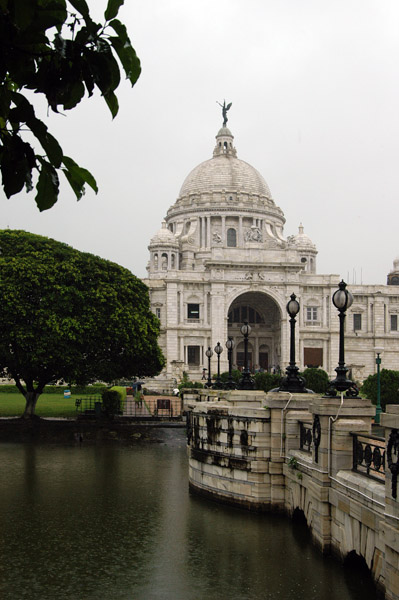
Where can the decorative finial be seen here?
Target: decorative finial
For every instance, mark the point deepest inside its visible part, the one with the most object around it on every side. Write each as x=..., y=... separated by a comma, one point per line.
x=224, y=111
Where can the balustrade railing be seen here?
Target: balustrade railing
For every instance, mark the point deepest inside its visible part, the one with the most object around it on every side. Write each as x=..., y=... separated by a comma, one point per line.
x=369, y=456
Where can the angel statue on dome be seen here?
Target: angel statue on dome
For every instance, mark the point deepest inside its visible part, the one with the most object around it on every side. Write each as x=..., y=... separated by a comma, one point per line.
x=224, y=111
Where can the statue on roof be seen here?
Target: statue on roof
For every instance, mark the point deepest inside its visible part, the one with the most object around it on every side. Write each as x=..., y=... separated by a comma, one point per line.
x=224, y=111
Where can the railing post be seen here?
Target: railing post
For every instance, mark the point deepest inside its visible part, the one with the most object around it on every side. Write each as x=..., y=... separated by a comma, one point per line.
x=354, y=452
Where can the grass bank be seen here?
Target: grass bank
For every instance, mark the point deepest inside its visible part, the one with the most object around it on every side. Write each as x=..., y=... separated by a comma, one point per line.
x=48, y=405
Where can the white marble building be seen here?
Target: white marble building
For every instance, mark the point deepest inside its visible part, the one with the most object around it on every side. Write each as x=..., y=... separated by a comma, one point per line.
x=221, y=258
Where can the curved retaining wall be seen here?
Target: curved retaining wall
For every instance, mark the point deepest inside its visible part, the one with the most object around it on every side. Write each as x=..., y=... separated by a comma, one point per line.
x=244, y=449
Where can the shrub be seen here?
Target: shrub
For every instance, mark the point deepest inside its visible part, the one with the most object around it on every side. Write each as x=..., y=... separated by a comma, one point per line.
x=123, y=393
x=111, y=402
x=389, y=381
x=316, y=380
x=267, y=381
x=186, y=383
x=235, y=374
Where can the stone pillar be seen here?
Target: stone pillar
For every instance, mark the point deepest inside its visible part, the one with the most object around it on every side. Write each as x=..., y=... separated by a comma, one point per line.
x=280, y=404
x=223, y=232
x=208, y=232
x=219, y=323
x=390, y=420
x=336, y=421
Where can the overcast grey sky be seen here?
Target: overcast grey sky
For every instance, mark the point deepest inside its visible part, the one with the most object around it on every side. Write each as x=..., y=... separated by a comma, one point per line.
x=315, y=92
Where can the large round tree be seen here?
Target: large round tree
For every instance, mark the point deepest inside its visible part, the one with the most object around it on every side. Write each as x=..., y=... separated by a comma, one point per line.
x=72, y=316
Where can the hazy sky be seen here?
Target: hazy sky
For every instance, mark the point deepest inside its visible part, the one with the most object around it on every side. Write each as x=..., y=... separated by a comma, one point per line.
x=315, y=92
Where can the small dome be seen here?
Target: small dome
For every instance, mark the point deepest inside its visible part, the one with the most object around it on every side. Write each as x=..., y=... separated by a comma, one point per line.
x=395, y=266
x=164, y=237
x=301, y=240
x=224, y=131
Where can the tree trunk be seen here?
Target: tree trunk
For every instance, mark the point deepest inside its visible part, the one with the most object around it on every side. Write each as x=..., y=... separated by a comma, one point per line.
x=31, y=400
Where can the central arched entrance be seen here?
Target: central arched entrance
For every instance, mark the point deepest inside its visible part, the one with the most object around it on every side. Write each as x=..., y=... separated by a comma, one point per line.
x=264, y=343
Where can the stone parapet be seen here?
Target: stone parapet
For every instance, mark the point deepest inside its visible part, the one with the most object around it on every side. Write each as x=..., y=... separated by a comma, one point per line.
x=286, y=452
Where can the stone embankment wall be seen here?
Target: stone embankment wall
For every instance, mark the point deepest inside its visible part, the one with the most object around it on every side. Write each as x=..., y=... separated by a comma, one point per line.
x=245, y=448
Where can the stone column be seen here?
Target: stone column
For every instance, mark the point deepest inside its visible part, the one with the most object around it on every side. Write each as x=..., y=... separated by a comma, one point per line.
x=208, y=232
x=240, y=240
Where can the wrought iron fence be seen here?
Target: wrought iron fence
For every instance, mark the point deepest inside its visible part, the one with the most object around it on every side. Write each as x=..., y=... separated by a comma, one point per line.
x=152, y=407
x=87, y=404
x=144, y=408
x=369, y=456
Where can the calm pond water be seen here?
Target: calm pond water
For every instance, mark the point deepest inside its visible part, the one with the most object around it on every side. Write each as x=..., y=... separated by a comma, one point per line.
x=105, y=523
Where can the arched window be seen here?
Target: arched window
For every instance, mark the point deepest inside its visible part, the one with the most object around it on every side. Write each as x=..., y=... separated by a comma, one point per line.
x=155, y=261
x=231, y=238
x=164, y=261
x=244, y=313
x=172, y=261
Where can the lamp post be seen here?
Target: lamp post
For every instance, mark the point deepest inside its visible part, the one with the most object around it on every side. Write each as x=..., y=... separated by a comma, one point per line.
x=218, y=385
x=342, y=300
x=246, y=381
x=230, y=345
x=292, y=382
x=378, y=409
x=209, y=354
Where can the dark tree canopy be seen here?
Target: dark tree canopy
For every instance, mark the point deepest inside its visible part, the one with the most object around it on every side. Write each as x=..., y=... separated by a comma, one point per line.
x=72, y=316
x=54, y=48
x=389, y=384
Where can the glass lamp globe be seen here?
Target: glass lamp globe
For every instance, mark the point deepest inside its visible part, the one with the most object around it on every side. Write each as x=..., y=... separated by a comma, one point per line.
x=245, y=329
x=230, y=344
x=218, y=348
x=293, y=306
x=342, y=298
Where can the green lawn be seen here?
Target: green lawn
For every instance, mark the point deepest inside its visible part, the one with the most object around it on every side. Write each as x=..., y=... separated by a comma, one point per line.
x=48, y=405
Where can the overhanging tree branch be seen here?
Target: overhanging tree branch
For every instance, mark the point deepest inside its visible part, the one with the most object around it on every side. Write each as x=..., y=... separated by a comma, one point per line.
x=51, y=51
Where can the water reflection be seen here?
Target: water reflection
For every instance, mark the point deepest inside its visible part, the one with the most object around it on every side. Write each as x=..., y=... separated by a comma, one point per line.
x=118, y=523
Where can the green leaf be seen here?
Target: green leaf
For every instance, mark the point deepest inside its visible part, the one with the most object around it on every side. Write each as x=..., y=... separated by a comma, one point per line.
x=80, y=6
x=47, y=186
x=17, y=162
x=75, y=93
x=75, y=183
x=49, y=143
x=50, y=14
x=105, y=69
x=120, y=29
x=112, y=9
x=128, y=58
x=24, y=13
x=112, y=102
x=80, y=172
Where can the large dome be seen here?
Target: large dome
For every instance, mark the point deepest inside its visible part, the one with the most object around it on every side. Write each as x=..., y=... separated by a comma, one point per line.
x=225, y=173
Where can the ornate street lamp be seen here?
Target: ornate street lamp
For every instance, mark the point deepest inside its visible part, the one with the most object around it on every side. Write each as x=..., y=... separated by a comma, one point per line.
x=342, y=300
x=378, y=409
x=230, y=385
x=218, y=385
x=292, y=382
x=209, y=354
x=246, y=381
